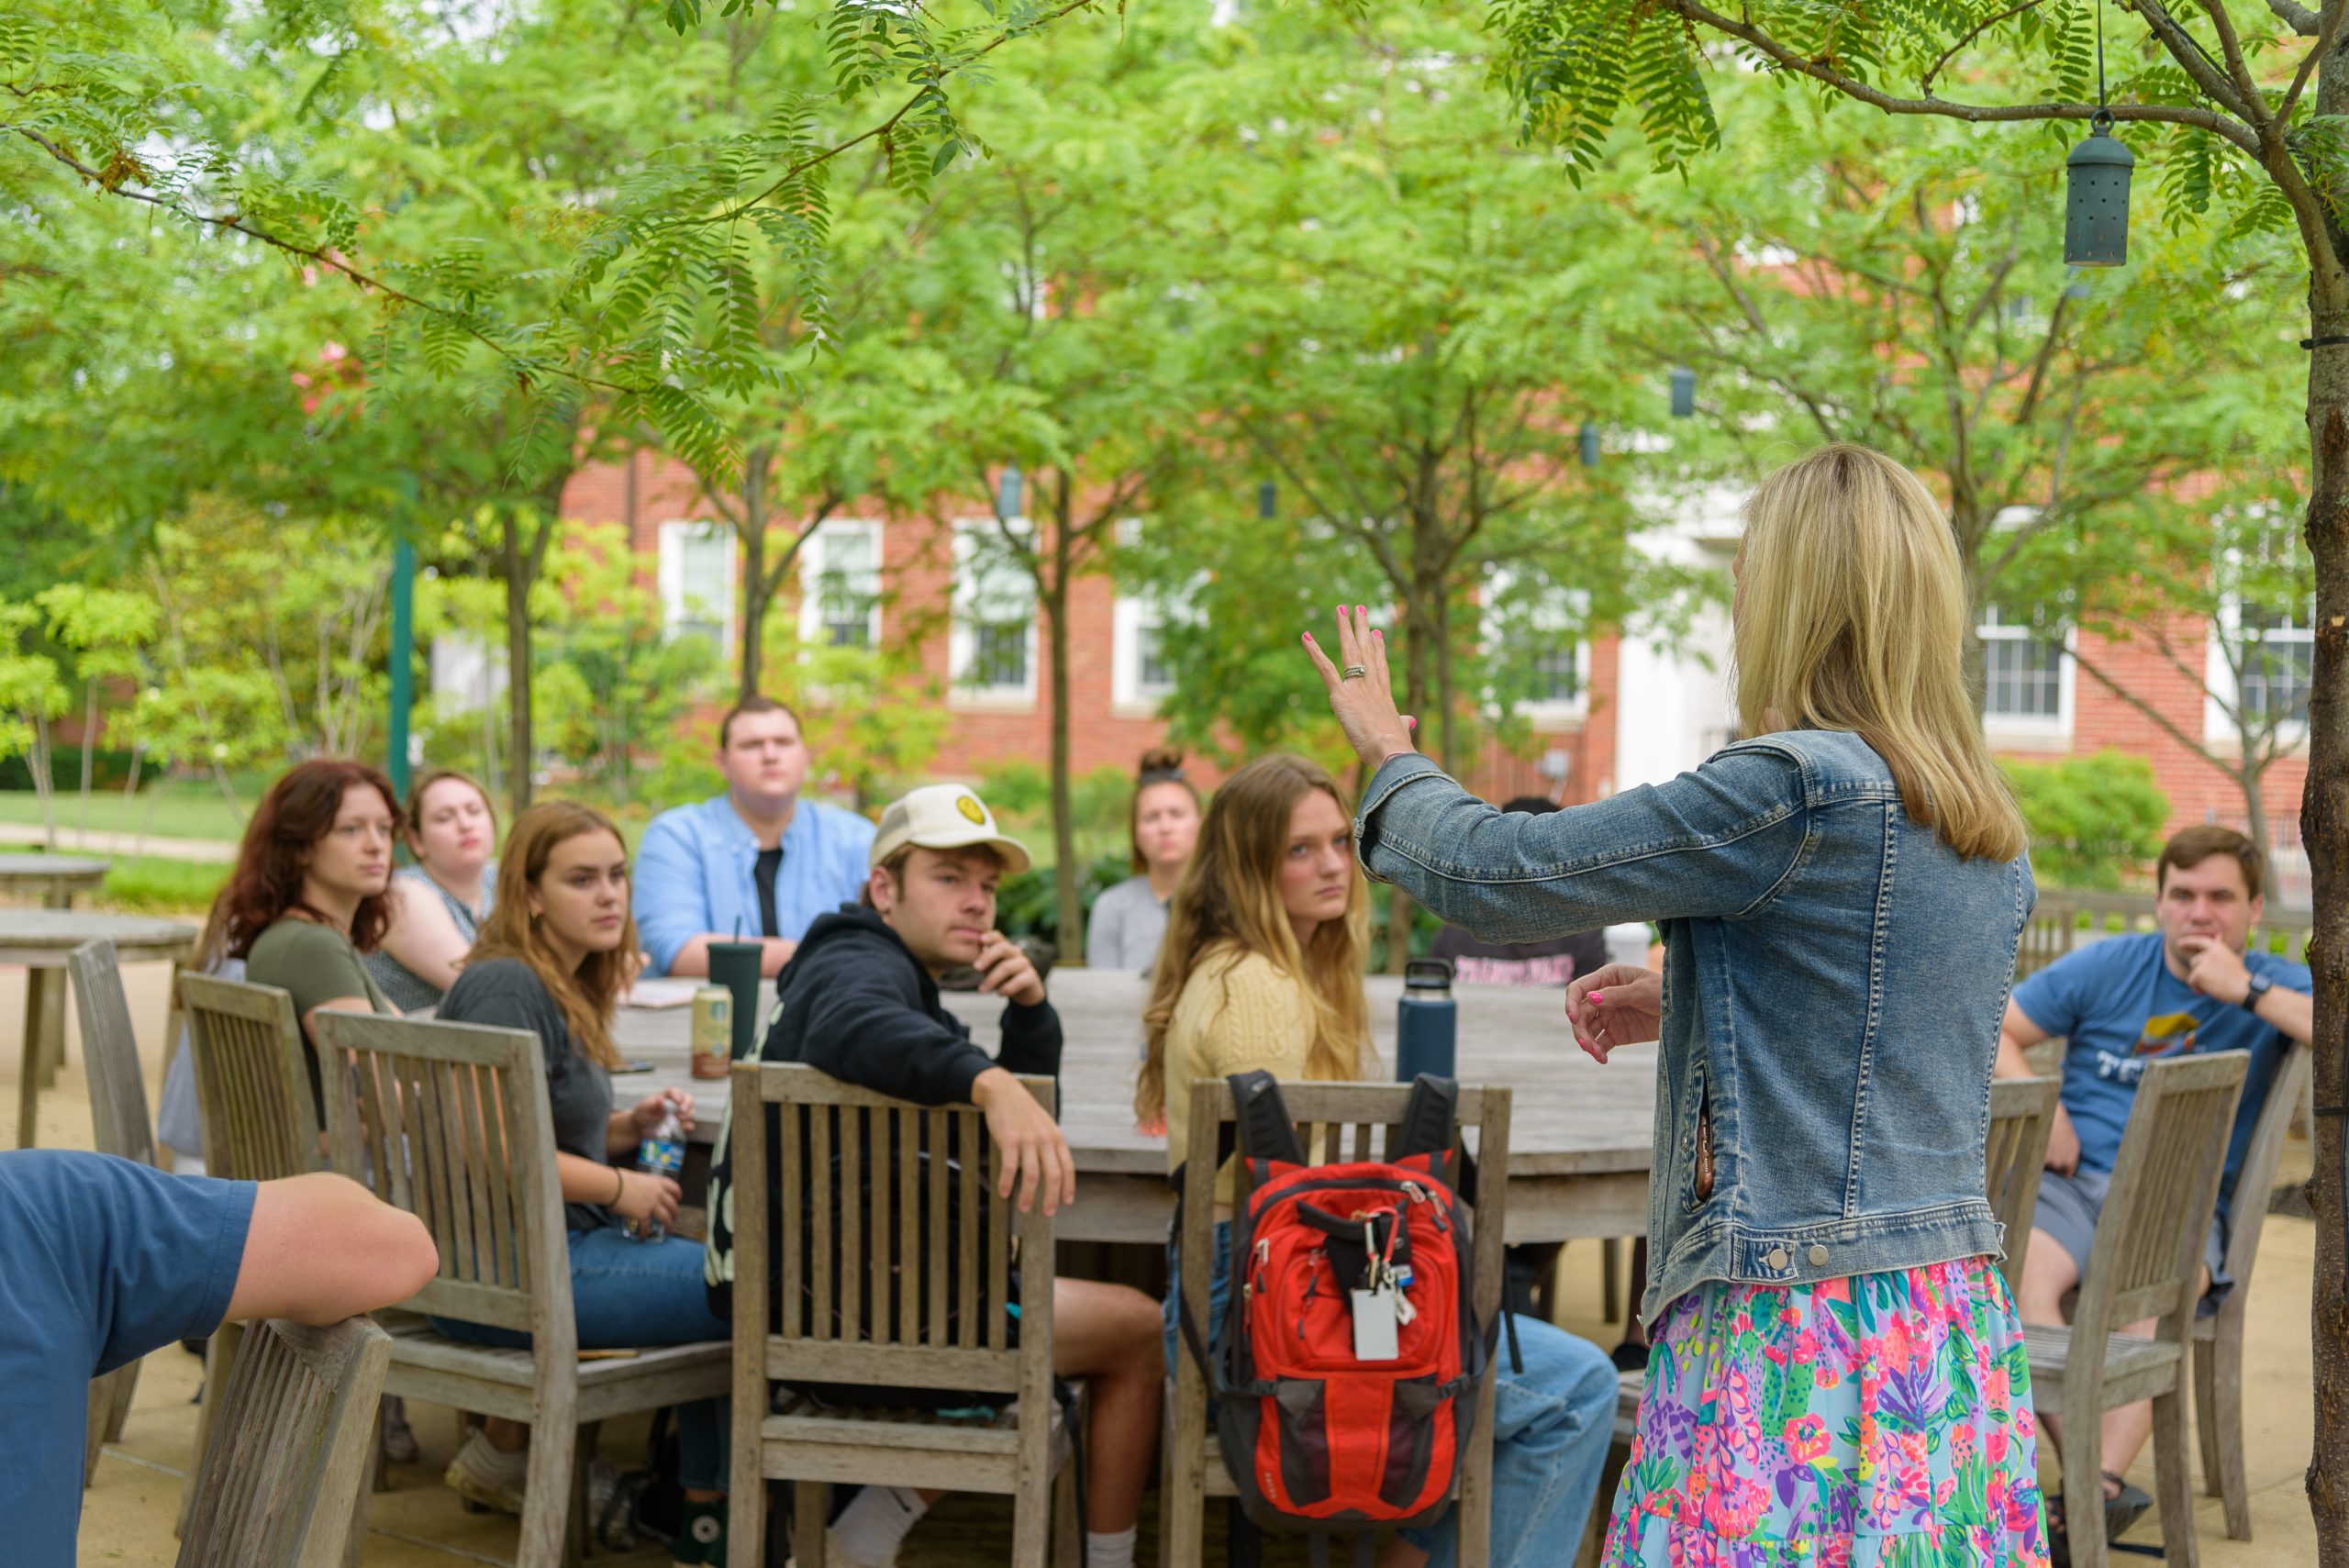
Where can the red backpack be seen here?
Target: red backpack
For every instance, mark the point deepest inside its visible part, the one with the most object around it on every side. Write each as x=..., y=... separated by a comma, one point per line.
x=1348, y=1367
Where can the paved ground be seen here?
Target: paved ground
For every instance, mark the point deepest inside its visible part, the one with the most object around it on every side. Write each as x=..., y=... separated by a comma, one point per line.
x=128, y=1512
x=97, y=842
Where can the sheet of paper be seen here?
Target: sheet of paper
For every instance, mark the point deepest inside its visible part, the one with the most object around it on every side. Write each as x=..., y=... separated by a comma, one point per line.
x=664, y=993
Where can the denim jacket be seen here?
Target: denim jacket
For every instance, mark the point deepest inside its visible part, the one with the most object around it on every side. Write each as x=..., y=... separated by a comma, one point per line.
x=1835, y=977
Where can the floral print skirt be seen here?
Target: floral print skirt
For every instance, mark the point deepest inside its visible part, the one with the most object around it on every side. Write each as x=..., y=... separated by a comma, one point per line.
x=1878, y=1421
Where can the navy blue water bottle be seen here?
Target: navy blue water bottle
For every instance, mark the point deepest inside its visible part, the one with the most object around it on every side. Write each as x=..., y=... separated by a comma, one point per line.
x=1427, y=1022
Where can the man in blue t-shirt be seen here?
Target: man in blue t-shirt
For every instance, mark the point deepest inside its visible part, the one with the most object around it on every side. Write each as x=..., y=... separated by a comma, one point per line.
x=2187, y=987
x=103, y=1260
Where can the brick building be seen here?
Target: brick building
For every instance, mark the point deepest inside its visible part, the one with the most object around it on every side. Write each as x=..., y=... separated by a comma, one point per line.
x=1630, y=712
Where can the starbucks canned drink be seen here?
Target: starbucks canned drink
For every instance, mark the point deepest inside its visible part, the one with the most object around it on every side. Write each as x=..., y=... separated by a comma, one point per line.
x=713, y=1031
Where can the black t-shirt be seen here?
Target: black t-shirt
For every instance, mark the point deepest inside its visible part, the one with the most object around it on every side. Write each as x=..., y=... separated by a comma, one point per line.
x=1553, y=962
x=770, y=867
x=505, y=992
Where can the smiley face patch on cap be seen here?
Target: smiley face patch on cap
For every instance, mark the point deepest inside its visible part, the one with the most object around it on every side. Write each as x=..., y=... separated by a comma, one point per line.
x=971, y=810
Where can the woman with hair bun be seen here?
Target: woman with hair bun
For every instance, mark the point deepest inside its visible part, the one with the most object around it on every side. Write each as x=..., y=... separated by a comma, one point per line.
x=1129, y=919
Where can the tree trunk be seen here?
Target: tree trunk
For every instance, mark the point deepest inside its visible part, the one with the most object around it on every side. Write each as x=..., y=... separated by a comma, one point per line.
x=2252, y=782
x=754, y=570
x=1066, y=872
x=89, y=739
x=2324, y=829
x=517, y=576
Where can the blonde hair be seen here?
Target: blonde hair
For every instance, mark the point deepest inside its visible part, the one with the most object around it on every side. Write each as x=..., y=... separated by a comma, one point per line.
x=1851, y=615
x=1229, y=904
x=589, y=994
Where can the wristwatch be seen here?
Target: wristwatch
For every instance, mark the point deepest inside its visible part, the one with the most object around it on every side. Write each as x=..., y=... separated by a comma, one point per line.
x=2260, y=986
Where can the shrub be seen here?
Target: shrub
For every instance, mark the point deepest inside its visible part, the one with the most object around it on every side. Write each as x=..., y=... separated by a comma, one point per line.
x=2096, y=822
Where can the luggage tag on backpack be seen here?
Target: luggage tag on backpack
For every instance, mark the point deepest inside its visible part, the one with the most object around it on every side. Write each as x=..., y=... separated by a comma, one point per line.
x=1377, y=1324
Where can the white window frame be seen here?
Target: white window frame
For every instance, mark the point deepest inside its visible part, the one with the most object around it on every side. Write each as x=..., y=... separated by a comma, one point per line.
x=1545, y=715
x=2222, y=692
x=972, y=535
x=1131, y=616
x=675, y=612
x=814, y=560
x=2008, y=729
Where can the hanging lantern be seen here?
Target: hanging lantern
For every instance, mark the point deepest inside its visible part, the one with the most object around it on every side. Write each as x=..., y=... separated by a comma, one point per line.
x=1590, y=437
x=1684, y=392
x=1269, y=500
x=1006, y=493
x=2096, y=203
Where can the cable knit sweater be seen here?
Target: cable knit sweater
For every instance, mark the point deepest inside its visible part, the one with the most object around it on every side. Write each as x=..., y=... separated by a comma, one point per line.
x=1237, y=1012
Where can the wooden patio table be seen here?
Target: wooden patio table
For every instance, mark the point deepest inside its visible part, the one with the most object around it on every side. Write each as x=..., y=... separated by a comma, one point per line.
x=1579, y=1139
x=40, y=939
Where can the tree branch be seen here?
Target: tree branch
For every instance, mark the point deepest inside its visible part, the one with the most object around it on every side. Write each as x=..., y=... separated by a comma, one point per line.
x=2300, y=18
x=2207, y=74
x=2328, y=35
x=1851, y=87
x=1925, y=83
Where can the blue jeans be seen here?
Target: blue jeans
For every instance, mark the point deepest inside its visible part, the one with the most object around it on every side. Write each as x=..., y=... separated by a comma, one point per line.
x=626, y=1293
x=1552, y=1425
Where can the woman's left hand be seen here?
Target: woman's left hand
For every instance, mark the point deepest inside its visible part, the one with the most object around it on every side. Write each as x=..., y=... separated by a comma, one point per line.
x=650, y=1110
x=1364, y=702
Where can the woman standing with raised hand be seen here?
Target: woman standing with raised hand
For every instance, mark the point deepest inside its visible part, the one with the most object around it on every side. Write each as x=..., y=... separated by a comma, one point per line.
x=1837, y=1370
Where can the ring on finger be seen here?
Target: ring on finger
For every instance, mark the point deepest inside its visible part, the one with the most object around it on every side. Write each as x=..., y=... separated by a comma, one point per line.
x=1351, y=671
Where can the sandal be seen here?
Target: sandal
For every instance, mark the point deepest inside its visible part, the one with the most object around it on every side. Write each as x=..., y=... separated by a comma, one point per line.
x=2124, y=1508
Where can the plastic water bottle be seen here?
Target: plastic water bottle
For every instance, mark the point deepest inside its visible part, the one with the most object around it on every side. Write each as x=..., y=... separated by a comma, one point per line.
x=663, y=1153
x=1427, y=1022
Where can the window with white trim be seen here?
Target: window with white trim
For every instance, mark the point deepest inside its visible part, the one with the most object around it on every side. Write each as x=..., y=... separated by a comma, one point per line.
x=992, y=649
x=2270, y=633
x=840, y=575
x=696, y=578
x=1534, y=639
x=1142, y=669
x=2026, y=680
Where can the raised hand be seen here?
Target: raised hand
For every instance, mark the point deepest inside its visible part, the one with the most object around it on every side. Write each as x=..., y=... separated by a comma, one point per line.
x=1362, y=693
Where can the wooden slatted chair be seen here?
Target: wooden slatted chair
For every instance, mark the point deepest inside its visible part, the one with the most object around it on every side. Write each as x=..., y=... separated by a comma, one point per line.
x=2022, y=1114
x=2218, y=1338
x=275, y=1488
x=1325, y=1115
x=2146, y=1264
x=900, y=1277
x=260, y=1125
x=450, y=1122
x=119, y=1125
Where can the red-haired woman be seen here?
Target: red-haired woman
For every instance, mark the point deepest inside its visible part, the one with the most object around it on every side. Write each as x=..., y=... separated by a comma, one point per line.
x=310, y=894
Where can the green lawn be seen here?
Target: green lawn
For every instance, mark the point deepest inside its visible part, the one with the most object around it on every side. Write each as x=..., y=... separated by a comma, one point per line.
x=174, y=809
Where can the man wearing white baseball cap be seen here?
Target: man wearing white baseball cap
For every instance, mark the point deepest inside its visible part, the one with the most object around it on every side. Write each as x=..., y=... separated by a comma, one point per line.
x=859, y=1000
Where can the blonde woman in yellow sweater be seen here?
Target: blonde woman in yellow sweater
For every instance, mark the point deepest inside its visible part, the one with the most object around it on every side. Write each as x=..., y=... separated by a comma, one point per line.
x=1262, y=968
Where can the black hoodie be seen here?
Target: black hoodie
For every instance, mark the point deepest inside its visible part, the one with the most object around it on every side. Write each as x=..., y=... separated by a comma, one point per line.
x=854, y=1003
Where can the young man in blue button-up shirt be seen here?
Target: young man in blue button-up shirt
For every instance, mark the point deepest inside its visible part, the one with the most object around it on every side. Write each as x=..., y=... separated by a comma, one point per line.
x=757, y=863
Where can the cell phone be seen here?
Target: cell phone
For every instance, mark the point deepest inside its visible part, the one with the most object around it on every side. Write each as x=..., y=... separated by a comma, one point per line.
x=633, y=1067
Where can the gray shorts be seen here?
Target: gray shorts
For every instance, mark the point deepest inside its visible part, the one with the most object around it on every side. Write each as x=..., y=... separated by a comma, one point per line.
x=2068, y=1207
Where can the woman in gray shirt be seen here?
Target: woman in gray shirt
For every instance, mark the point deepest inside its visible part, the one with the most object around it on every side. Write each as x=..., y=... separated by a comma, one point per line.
x=438, y=904
x=553, y=958
x=1129, y=919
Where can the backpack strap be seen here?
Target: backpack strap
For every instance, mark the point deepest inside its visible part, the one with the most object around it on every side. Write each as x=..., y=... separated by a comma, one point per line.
x=1429, y=1119
x=1266, y=1130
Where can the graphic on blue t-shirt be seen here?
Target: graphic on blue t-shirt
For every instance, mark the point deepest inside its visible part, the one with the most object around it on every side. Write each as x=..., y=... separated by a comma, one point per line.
x=2119, y=1006
x=2166, y=1034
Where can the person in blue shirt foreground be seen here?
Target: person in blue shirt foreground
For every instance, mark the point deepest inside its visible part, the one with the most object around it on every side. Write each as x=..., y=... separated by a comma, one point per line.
x=107, y=1259
x=756, y=863
x=2188, y=986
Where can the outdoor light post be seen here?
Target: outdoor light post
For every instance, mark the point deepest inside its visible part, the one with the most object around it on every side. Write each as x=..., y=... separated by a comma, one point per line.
x=403, y=657
x=1684, y=392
